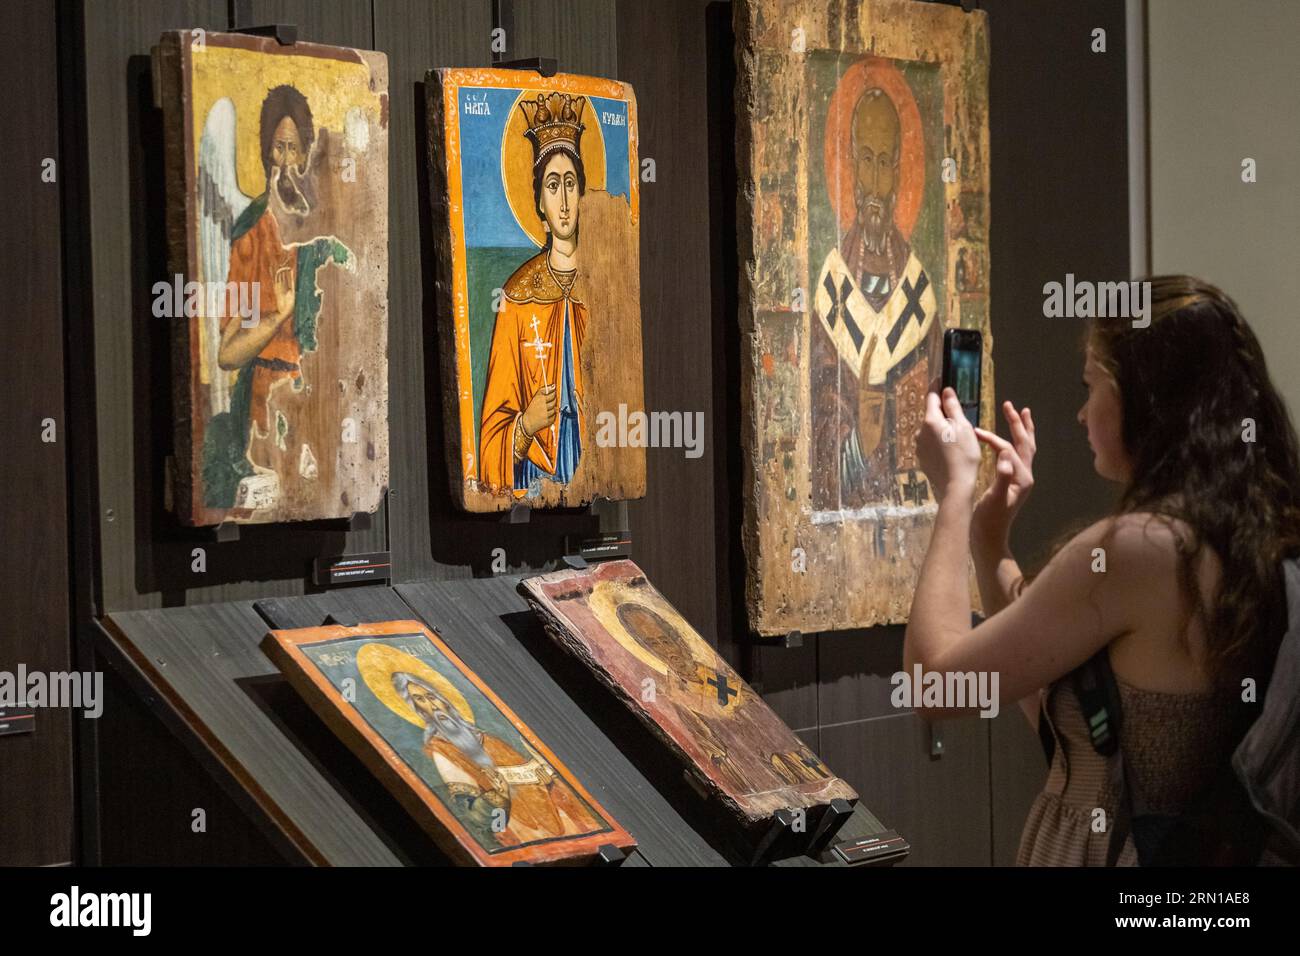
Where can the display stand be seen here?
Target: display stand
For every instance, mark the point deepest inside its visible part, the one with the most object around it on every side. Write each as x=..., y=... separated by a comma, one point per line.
x=833, y=817
x=777, y=842
x=228, y=531
x=788, y=641
x=285, y=34
x=200, y=670
x=545, y=65
x=520, y=513
x=967, y=6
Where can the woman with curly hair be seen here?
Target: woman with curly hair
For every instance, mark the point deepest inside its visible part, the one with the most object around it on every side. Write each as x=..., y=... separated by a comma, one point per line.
x=1180, y=590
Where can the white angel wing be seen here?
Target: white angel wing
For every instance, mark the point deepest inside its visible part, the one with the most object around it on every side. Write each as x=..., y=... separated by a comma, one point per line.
x=221, y=202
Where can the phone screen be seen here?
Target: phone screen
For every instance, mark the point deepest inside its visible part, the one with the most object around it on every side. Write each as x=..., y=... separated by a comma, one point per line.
x=962, y=372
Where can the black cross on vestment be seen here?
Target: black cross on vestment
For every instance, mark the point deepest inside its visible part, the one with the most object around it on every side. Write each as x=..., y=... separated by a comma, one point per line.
x=724, y=691
x=913, y=308
x=839, y=304
x=915, y=491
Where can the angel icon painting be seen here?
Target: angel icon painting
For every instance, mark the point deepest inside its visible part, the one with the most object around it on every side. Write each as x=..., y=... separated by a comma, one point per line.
x=283, y=413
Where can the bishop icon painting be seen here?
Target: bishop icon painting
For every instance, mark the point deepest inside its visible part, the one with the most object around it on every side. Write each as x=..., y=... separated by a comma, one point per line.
x=877, y=330
x=860, y=245
x=277, y=188
x=535, y=193
x=461, y=762
x=731, y=743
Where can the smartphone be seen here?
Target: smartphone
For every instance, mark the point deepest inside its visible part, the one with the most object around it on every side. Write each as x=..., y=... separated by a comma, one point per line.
x=963, y=352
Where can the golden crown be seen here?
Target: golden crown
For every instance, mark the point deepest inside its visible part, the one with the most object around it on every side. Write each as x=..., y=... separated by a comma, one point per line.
x=554, y=121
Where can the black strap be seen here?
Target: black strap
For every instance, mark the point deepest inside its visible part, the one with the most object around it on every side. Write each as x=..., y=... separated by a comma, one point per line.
x=1098, y=694
x=1094, y=685
x=1045, y=735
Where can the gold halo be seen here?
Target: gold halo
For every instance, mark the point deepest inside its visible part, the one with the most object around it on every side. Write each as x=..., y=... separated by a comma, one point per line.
x=377, y=664
x=604, y=602
x=517, y=162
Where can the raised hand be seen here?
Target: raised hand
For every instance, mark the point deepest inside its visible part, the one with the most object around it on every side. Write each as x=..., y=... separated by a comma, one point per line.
x=946, y=446
x=285, y=280
x=1013, y=476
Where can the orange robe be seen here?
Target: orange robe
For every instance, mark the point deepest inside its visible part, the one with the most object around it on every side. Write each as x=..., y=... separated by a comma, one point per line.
x=537, y=810
x=254, y=257
x=527, y=353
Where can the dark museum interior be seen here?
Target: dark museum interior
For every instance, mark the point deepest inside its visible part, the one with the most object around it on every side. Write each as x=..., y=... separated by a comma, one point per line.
x=1123, y=139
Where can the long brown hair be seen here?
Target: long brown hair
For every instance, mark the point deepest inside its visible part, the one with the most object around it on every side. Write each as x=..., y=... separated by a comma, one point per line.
x=1193, y=387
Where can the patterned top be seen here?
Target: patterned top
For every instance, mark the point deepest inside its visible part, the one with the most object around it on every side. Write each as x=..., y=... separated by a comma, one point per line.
x=1173, y=744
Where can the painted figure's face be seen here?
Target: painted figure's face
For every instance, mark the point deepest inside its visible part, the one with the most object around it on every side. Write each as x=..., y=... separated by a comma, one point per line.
x=286, y=145
x=429, y=706
x=442, y=720
x=288, y=162
x=1102, y=415
x=875, y=164
x=658, y=637
x=559, y=200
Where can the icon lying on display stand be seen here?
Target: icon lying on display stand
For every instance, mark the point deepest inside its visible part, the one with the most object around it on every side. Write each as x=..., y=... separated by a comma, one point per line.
x=736, y=751
x=459, y=760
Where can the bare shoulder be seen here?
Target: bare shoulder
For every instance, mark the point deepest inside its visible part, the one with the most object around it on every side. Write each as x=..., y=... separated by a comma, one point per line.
x=1140, y=540
x=1143, y=554
x=1162, y=652
x=1133, y=559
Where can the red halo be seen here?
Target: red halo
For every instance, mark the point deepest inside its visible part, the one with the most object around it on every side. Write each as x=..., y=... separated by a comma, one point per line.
x=870, y=73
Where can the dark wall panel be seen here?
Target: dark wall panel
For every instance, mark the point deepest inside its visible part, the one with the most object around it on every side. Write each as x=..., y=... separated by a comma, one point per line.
x=1059, y=185
x=939, y=804
x=664, y=52
x=337, y=22
x=787, y=679
x=417, y=37
x=1017, y=771
x=36, y=783
x=580, y=34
